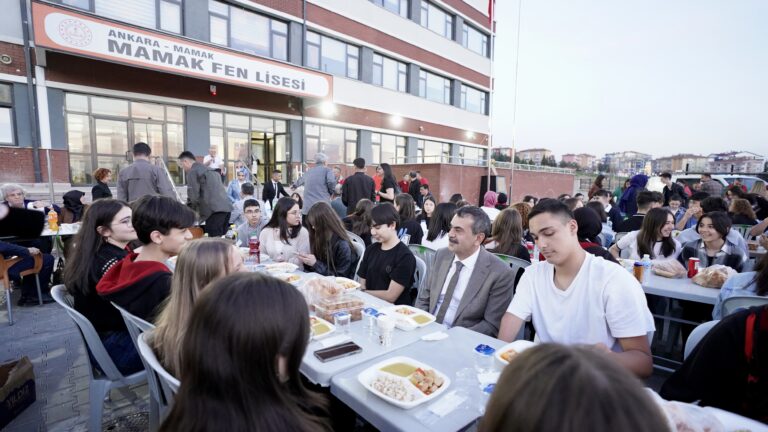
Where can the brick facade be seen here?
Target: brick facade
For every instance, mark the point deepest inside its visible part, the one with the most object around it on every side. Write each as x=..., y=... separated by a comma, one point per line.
x=16, y=52
x=19, y=168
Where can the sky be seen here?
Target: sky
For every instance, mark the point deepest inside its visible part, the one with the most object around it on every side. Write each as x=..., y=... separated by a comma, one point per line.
x=658, y=76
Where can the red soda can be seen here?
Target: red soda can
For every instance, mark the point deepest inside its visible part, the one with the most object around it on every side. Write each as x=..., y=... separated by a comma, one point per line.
x=693, y=267
x=254, y=248
x=529, y=246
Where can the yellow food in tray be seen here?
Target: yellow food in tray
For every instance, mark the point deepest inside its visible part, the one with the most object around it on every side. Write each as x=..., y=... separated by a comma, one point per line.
x=399, y=369
x=319, y=327
x=509, y=355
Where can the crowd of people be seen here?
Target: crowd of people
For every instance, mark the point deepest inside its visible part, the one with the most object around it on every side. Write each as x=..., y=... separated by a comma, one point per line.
x=575, y=295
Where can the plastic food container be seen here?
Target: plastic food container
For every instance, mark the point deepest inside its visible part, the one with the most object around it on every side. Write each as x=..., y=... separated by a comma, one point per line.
x=327, y=307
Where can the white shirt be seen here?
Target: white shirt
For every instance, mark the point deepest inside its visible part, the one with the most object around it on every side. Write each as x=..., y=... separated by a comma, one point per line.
x=629, y=242
x=603, y=303
x=439, y=243
x=461, y=286
x=492, y=212
x=216, y=161
x=690, y=235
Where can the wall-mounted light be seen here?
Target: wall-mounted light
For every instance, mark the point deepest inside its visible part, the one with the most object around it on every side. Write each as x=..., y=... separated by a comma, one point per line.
x=395, y=120
x=470, y=135
x=328, y=108
x=212, y=89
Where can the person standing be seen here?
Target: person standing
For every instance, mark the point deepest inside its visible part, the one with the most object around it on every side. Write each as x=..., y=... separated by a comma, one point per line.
x=142, y=178
x=710, y=186
x=101, y=189
x=357, y=186
x=413, y=189
x=389, y=187
x=206, y=195
x=273, y=189
x=672, y=188
x=318, y=183
x=216, y=163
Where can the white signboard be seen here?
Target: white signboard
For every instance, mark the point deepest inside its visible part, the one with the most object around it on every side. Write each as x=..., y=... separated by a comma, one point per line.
x=67, y=31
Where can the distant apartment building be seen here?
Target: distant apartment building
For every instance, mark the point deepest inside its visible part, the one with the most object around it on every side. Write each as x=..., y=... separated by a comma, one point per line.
x=536, y=155
x=737, y=162
x=680, y=163
x=628, y=162
x=583, y=160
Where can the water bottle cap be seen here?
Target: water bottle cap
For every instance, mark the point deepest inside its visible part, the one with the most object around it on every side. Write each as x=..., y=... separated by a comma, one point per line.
x=489, y=388
x=484, y=350
x=370, y=311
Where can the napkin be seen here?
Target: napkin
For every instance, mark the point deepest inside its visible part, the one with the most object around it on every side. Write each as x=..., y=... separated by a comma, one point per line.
x=335, y=340
x=446, y=404
x=436, y=336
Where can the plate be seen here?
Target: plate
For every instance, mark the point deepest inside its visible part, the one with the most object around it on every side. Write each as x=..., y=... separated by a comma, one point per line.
x=348, y=284
x=320, y=327
x=418, y=317
x=735, y=422
x=414, y=396
x=518, y=345
x=283, y=267
x=291, y=278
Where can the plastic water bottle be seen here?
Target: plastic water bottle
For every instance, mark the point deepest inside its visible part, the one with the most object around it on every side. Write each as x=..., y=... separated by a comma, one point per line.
x=646, y=266
x=231, y=234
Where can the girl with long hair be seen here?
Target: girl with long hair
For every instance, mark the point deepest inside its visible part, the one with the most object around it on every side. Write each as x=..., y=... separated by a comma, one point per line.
x=507, y=235
x=331, y=250
x=359, y=222
x=653, y=239
x=440, y=226
x=524, y=209
x=102, y=241
x=596, y=186
x=741, y=212
x=557, y=375
x=409, y=226
x=201, y=262
x=388, y=185
x=283, y=236
x=296, y=197
x=428, y=208
x=606, y=229
x=240, y=360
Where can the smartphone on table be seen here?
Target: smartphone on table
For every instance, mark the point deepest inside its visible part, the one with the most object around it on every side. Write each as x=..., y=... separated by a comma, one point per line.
x=338, y=351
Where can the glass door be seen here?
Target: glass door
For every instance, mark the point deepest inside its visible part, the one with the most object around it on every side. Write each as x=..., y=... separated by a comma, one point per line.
x=271, y=151
x=111, y=137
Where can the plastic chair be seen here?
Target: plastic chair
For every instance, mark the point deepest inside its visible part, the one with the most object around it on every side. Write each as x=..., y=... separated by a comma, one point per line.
x=35, y=270
x=5, y=264
x=618, y=236
x=697, y=335
x=168, y=385
x=104, y=374
x=733, y=304
x=743, y=230
x=420, y=277
x=423, y=252
x=136, y=326
x=197, y=232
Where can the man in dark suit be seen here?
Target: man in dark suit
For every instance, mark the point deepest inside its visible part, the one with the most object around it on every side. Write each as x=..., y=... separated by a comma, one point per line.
x=413, y=189
x=468, y=286
x=273, y=189
x=357, y=186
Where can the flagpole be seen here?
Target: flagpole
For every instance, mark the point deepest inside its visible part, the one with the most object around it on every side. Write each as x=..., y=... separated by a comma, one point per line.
x=514, y=102
x=491, y=13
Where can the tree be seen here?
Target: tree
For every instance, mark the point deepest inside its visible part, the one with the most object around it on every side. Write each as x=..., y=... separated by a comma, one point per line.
x=499, y=157
x=603, y=167
x=517, y=159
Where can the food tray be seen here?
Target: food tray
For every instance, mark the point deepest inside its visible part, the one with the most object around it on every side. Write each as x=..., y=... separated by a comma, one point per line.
x=348, y=284
x=369, y=376
x=320, y=328
x=415, y=316
x=291, y=278
x=283, y=267
x=518, y=345
x=325, y=308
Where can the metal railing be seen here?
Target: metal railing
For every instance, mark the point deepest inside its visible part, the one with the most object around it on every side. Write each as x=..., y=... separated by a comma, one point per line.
x=456, y=160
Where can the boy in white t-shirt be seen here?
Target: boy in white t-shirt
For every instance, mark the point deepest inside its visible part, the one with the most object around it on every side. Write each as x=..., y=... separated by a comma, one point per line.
x=577, y=298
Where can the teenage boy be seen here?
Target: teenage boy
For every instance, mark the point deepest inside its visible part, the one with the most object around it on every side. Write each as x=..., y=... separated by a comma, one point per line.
x=253, y=222
x=690, y=218
x=671, y=188
x=139, y=283
x=708, y=205
x=646, y=200
x=614, y=214
x=246, y=193
x=388, y=265
x=675, y=205
x=577, y=298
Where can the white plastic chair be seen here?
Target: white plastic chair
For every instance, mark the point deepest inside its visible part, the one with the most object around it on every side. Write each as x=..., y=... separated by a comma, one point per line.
x=732, y=304
x=515, y=263
x=104, y=374
x=697, y=335
x=136, y=326
x=359, y=245
x=423, y=252
x=169, y=385
x=420, y=277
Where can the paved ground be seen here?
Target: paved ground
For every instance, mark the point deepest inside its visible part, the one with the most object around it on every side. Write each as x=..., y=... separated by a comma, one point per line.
x=50, y=339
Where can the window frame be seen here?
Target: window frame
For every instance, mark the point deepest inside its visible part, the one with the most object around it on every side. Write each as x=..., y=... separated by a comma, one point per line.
x=463, y=100
x=271, y=20
x=401, y=72
x=398, y=143
x=157, y=6
x=447, y=93
x=347, y=55
x=448, y=30
x=350, y=138
x=465, y=30
x=403, y=7
x=11, y=114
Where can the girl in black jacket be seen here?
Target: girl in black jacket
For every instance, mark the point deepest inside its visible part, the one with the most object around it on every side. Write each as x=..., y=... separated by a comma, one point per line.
x=332, y=252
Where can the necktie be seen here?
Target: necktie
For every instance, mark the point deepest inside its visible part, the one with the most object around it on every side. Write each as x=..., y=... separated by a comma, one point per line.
x=449, y=293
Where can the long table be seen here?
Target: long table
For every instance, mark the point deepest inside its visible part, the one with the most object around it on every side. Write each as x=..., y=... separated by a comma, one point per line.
x=449, y=356
x=680, y=289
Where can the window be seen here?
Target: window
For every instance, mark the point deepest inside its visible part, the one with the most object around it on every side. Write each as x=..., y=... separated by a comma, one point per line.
x=340, y=145
x=434, y=87
x=399, y=7
x=472, y=156
x=387, y=148
x=156, y=14
x=100, y=131
x=6, y=114
x=247, y=31
x=433, y=152
x=473, y=100
x=389, y=73
x=436, y=19
x=332, y=56
x=475, y=40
